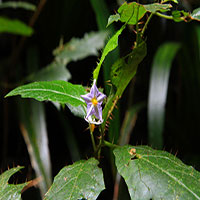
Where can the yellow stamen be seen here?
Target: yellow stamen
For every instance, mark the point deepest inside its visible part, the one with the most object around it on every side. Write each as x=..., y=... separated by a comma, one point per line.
x=94, y=101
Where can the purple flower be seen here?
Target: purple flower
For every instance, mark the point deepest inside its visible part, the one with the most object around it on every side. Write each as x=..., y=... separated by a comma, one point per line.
x=94, y=100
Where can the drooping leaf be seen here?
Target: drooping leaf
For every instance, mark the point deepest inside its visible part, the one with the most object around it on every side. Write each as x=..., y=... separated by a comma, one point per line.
x=113, y=18
x=10, y=191
x=18, y=4
x=110, y=46
x=54, y=71
x=122, y=73
x=154, y=174
x=82, y=180
x=154, y=7
x=56, y=91
x=158, y=86
x=196, y=14
x=131, y=13
x=34, y=131
x=14, y=26
x=77, y=49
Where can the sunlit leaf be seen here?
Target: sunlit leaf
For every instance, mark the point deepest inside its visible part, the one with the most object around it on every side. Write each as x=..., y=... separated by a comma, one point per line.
x=159, y=79
x=77, y=49
x=196, y=14
x=110, y=46
x=131, y=13
x=14, y=26
x=34, y=131
x=56, y=91
x=154, y=174
x=82, y=180
x=18, y=4
x=154, y=7
x=165, y=1
x=113, y=18
x=10, y=191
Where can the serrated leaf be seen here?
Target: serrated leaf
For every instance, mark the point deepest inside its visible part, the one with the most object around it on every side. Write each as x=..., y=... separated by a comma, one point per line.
x=77, y=49
x=154, y=174
x=110, y=46
x=16, y=4
x=82, y=180
x=154, y=7
x=56, y=91
x=14, y=26
x=10, y=191
x=196, y=14
x=113, y=18
x=131, y=13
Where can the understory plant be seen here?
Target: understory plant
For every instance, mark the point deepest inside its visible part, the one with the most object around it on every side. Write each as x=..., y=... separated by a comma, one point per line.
x=148, y=173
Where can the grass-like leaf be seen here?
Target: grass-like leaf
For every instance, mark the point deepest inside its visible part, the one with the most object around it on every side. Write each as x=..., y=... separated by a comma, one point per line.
x=82, y=180
x=154, y=174
x=16, y=4
x=10, y=191
x=56, y=91
x=14, y=26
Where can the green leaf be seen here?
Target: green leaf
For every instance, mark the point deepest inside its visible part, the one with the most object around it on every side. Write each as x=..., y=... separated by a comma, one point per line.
x=56, y=91
x=16, y=4
x=77, y=49
x=180, y=15
x=158, y=86
x=10, y=191
x=113, y=18
x=165, y=1
x=14, y=26
x=79, y=111
x=196, y=14
x=34, y=131
x=154, y=174
x=82, y=180
x=154, y=7
x=110, y=46
x=54, y=71
x=131, y=13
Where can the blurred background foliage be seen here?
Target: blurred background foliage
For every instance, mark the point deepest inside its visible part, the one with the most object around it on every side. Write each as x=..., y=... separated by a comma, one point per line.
x=44, y=139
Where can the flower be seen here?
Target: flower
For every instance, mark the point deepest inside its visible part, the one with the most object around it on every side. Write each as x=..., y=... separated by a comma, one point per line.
x=94, y=101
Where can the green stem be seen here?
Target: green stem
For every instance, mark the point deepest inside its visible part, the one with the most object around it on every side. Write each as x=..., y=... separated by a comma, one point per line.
x=108, y=144
x=147, y=22
x=137, y=27
x=164, y=16
x=92, y=138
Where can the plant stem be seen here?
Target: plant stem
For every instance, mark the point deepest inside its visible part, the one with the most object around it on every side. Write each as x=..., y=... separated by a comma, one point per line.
x=92, y=138
x=147, y=22
x=164, y=16
x=108, y=144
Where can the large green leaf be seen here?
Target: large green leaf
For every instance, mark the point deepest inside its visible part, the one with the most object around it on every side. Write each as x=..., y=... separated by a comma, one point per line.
x=34, y=131
x=77, y=49
x=56, y=91
x=10, y=191
x=14, y=26
x=158, y=86
x=82, y=180
x=16, y=4
x=110, y=46
x=154, y=174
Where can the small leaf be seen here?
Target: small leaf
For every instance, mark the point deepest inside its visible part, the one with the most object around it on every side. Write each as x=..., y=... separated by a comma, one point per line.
x=180, y=15
x=15, y=4
x=57, y=91
x=110, y=46
x=196, y=14
x=14, y=26
x=82, y=180
x=154, y=174
x=154, y=7
x=113, y=18
x=10, y=191
x=77, y=49
x=131, y=13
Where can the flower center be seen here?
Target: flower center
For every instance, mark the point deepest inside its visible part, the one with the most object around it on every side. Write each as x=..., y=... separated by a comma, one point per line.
x=94, y=101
